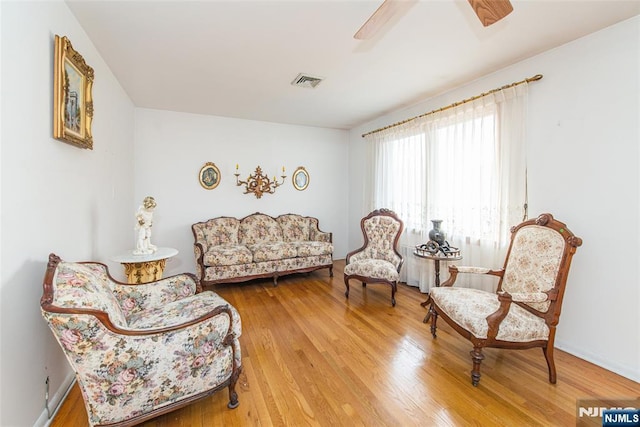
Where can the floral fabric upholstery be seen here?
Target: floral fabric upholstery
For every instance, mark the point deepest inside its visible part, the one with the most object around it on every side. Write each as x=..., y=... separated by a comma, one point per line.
x=377, y=268
x=123, y=376
x=295, y=228
x=228, y=254
x=306, y=262
x=381, y=232
x=533, y=263
x=469, y=308
x=315, y=234
x=86, y=286
x=305, y=249
x=217, y=231
x=136, y=299
x=260, y=228
x=215, y=273
x=266, y=246
x=181, y=311
x=272, y=251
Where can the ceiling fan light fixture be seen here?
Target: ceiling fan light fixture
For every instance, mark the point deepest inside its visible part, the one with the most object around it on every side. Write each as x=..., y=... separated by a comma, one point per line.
x=305, y=80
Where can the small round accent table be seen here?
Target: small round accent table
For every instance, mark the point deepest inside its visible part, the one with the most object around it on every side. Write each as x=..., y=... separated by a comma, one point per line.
x=436, y=258
x=145, y=268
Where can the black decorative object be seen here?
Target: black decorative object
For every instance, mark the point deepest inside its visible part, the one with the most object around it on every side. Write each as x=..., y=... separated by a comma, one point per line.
x=437, y=245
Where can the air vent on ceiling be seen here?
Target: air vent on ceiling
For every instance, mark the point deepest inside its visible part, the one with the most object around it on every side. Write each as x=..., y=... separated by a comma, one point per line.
x=305, y=80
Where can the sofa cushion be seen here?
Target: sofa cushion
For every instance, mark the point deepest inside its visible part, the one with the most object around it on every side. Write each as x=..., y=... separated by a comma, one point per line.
x=217, y=231
x=259, y=228
x=313, y=248
x=469, y=308
x=374, y=268
x=229, y=254
x=272, y=251
x=295, y=228
x=182, y=311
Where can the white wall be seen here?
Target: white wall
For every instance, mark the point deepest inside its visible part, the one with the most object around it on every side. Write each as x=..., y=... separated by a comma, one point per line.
x=55, y=197
x=171, y=148
x=583, y=157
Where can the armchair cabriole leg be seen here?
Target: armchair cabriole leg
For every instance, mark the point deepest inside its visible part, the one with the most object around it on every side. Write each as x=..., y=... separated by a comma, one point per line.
x=394, y=288
x=331, y=271
x=235, y=374
x=548, y=355
x=427, y=302
x=477, y=357
x=346, y=284
x=233, y=398
x=434, y=319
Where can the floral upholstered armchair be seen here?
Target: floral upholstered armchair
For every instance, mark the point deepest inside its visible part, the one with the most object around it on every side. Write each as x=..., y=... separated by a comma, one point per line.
x=139, y=351
x=525, y=310
x=378, y=260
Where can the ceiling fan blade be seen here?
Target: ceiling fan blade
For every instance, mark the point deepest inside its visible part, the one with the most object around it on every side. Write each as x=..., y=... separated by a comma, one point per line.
x=381, y=16
x=491, y=11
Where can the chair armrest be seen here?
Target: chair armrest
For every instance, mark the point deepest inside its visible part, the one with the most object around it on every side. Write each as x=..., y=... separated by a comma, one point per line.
x=455, y=269
x=186, y=318
x=84, y=317
x=528, y=297
x=321, y=236
x=315, y=234
x=505, y=298
x=495, y=318
x=199, y=252
x=202, y=246
x=351, y=254
x=136, y=298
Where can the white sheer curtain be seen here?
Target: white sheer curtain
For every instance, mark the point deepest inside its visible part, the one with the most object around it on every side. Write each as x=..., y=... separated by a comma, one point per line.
x=466, y=166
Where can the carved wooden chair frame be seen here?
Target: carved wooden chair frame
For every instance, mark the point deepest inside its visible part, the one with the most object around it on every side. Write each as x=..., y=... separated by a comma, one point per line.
x=367, y=279
x=550, y=316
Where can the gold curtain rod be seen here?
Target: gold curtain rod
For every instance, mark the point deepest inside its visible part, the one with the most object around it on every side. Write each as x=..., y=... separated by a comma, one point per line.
x=455, y=104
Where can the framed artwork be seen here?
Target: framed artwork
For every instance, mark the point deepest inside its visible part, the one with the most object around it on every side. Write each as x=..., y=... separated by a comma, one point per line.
x=72, y=99
x=300, y=178
x=209, y=176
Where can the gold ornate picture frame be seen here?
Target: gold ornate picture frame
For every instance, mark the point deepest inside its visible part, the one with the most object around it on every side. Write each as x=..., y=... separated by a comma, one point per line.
x=300, y=179
x=72, y=98
x=209, y=176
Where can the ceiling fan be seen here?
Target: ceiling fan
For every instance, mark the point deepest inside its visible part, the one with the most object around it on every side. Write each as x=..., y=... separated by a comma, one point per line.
x=488, y=11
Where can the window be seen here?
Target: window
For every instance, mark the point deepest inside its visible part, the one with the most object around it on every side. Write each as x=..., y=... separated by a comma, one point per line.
x=465, y=166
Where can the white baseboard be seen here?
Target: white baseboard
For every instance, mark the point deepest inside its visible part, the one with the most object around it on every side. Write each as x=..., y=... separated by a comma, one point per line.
x=624, y=371
x=55, y=401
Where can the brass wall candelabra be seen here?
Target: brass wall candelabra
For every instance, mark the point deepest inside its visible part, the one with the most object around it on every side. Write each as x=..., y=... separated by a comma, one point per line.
x=259, y=183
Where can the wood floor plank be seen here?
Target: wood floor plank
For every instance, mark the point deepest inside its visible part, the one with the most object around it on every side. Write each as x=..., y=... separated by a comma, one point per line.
x=312, y=357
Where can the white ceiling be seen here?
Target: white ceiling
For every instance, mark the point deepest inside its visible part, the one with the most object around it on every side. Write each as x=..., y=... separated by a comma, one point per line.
x=238, y=58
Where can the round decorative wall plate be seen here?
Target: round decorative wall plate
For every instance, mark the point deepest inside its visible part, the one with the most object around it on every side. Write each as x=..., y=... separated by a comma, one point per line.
x=300, y=178
x=209, y=176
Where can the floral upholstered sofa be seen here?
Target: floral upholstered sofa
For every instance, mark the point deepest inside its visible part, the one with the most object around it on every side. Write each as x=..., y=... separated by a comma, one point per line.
x=139, y=351
x=234, y=250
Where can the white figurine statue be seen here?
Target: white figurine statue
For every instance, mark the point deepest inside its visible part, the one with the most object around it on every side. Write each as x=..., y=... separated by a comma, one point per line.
x=144, y=221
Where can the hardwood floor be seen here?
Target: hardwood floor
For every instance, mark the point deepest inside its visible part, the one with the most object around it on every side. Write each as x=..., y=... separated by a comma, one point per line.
x=311, y=357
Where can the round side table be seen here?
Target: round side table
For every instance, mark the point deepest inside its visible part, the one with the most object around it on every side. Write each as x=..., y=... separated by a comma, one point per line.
x=436, y=258
x=144, y=268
